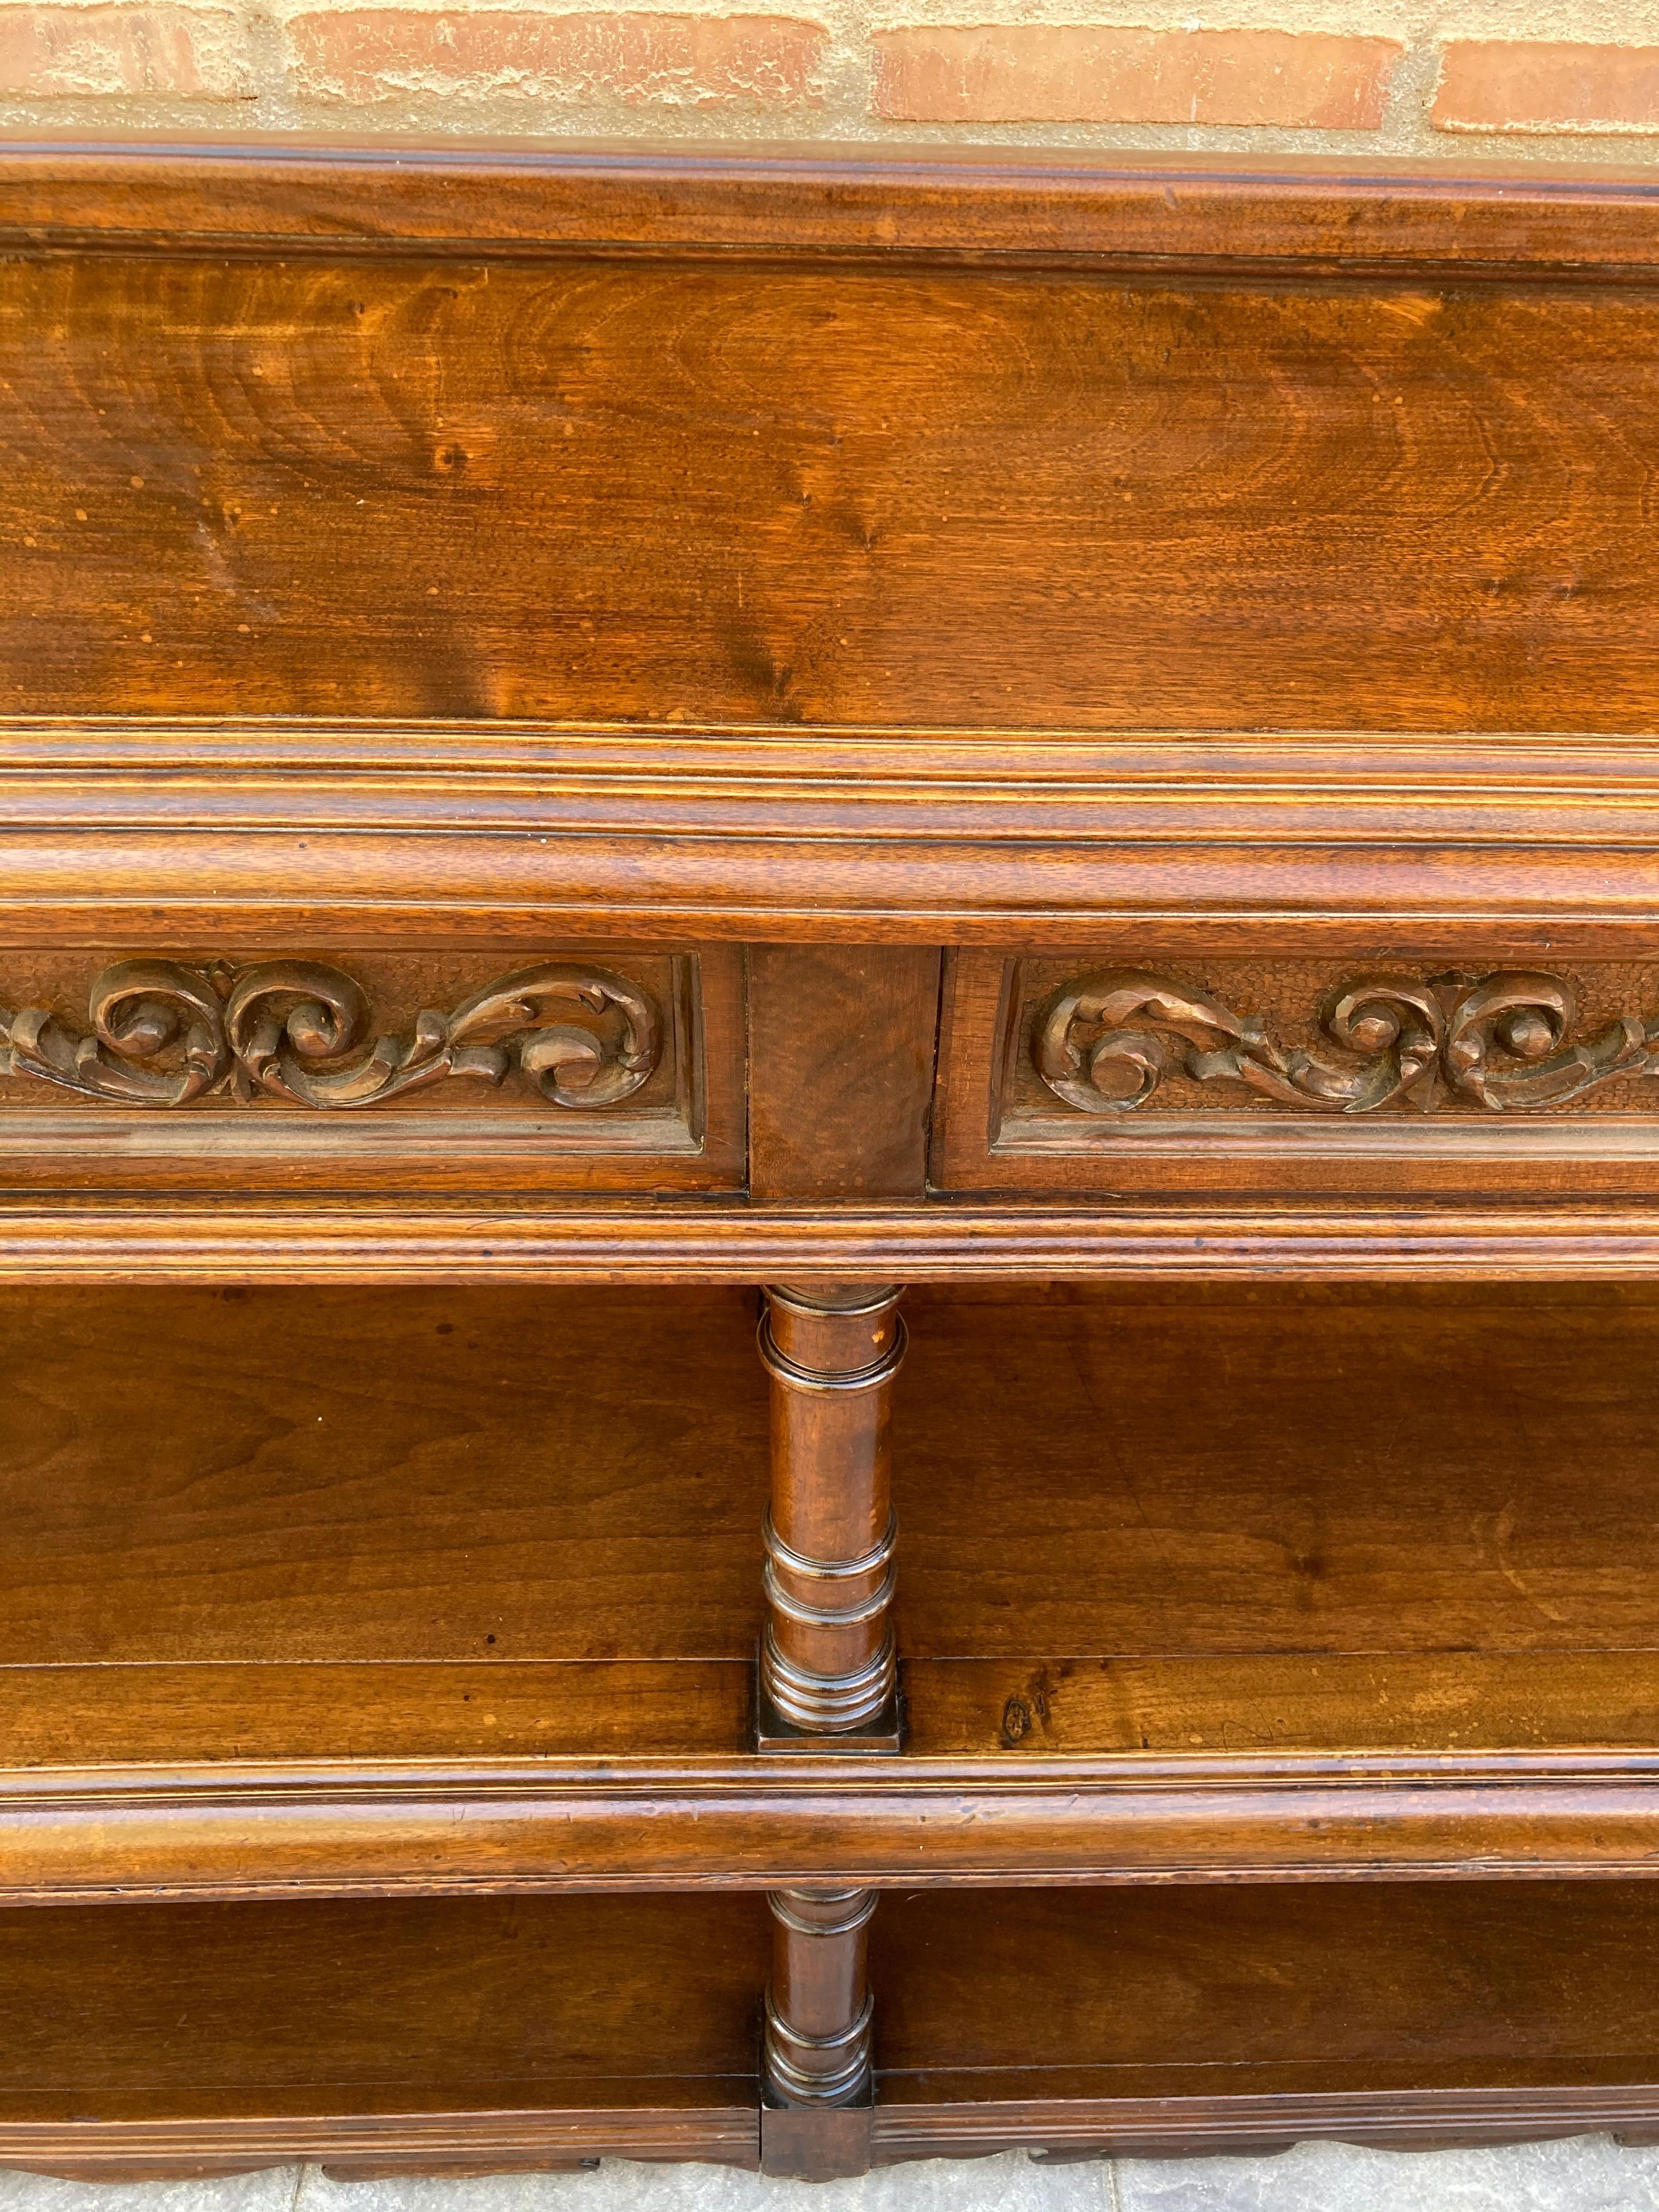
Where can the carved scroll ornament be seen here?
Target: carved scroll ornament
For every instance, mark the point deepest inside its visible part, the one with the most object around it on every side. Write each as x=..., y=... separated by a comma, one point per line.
x=161, y=1034
x=1504, y=1042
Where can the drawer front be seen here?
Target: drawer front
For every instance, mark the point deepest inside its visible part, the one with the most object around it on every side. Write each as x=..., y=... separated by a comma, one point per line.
x=531, y=1068
x=1089, y=1072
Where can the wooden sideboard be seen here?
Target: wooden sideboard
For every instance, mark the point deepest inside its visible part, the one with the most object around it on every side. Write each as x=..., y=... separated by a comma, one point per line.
x=1038, y=779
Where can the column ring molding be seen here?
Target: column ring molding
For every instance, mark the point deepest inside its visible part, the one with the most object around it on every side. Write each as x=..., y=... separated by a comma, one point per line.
x=827, y=1616
x=833, y=1383
x=829, y=1570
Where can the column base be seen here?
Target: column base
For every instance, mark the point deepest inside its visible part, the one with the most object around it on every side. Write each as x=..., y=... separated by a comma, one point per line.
x=815, y=2142
x=883, y=1731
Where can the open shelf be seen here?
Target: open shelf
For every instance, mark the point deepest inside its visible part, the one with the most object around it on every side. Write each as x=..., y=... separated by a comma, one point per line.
x=1207, y=2018
x=485, y=2031
x=1193, y=1582
x=262, y=1476
x=1286, y=1519
x=330, y=1525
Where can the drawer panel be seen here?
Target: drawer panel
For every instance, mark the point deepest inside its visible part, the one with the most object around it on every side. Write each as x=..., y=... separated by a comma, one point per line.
x=531, y=1069
x=1087, y=1072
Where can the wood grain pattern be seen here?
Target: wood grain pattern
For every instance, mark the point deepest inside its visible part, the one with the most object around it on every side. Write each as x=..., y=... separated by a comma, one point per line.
x=1387, y=1646
x=495, y=2031
x=1213, y=613
x=504, y=1242
x=894, y=205
x=1362, y=1977
x=293, y=1477
x=468, y=1823
x=852, y=1029
x=368, y=1476
x=1162, y=845
x=973, y=2115
x=1322, y=1470
x=656, y=490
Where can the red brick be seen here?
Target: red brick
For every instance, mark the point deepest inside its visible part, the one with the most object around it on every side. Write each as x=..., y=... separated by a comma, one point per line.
x=367, y=54
x=1533, y=85
x=1091, y=73
x=79, y=53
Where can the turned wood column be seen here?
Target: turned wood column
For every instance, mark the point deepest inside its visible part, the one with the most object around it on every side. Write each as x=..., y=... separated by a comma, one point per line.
x=827, y=1664
x=817, y=2007
x=816, y=2054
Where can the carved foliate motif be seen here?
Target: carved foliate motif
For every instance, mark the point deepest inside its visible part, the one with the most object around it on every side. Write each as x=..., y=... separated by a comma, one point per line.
x=1503, y=1041
x=161, y=1034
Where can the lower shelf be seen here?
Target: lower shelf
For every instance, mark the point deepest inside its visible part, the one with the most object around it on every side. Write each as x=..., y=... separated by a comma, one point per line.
x=485, y=2033
x=482, y=2033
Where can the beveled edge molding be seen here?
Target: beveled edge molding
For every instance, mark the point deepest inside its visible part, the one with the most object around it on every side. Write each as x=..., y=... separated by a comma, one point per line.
x=715, y=2135
x=437, y=1828
x=729, y=2134
x=108, y=770
x=731, y=1241
x=1489, y=849
x=1158, y=215
x=1177, y=2126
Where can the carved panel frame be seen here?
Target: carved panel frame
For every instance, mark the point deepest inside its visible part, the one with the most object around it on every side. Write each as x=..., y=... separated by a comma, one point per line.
x=1405, y=1084
x=538, y=1070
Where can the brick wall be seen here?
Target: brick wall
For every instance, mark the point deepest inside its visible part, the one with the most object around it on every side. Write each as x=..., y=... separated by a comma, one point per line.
x=1574, y=80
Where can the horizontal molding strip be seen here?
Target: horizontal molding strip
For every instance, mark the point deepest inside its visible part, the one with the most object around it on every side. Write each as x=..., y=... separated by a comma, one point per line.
x=382, y=2137
x=694, y=1241
x=1493, y=848
x=431, y=1829
x=1175, y=2126
x=1309, y=219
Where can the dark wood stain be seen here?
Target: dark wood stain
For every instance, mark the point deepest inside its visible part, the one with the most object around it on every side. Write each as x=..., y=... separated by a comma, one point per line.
x=572, y=728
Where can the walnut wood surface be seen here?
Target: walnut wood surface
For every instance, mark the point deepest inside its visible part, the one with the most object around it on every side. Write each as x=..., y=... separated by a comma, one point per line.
x=495, y=484
x=505, y=1242
x=256, y=1476
x=1063, y=1075
x=354, y=195
x=1211, y=2019
x=1314, y=1470
x=1362, y=1977
x=409, y=1072
x=1063, y=2117
x=378, y=1476
x=853, y=1030
x=492, y=2031
x=518, y=2032
x=815, y=2051
x=828, y=1663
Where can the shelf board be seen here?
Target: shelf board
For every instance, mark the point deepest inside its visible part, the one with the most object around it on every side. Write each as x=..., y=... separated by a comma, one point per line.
x=263, y=1780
